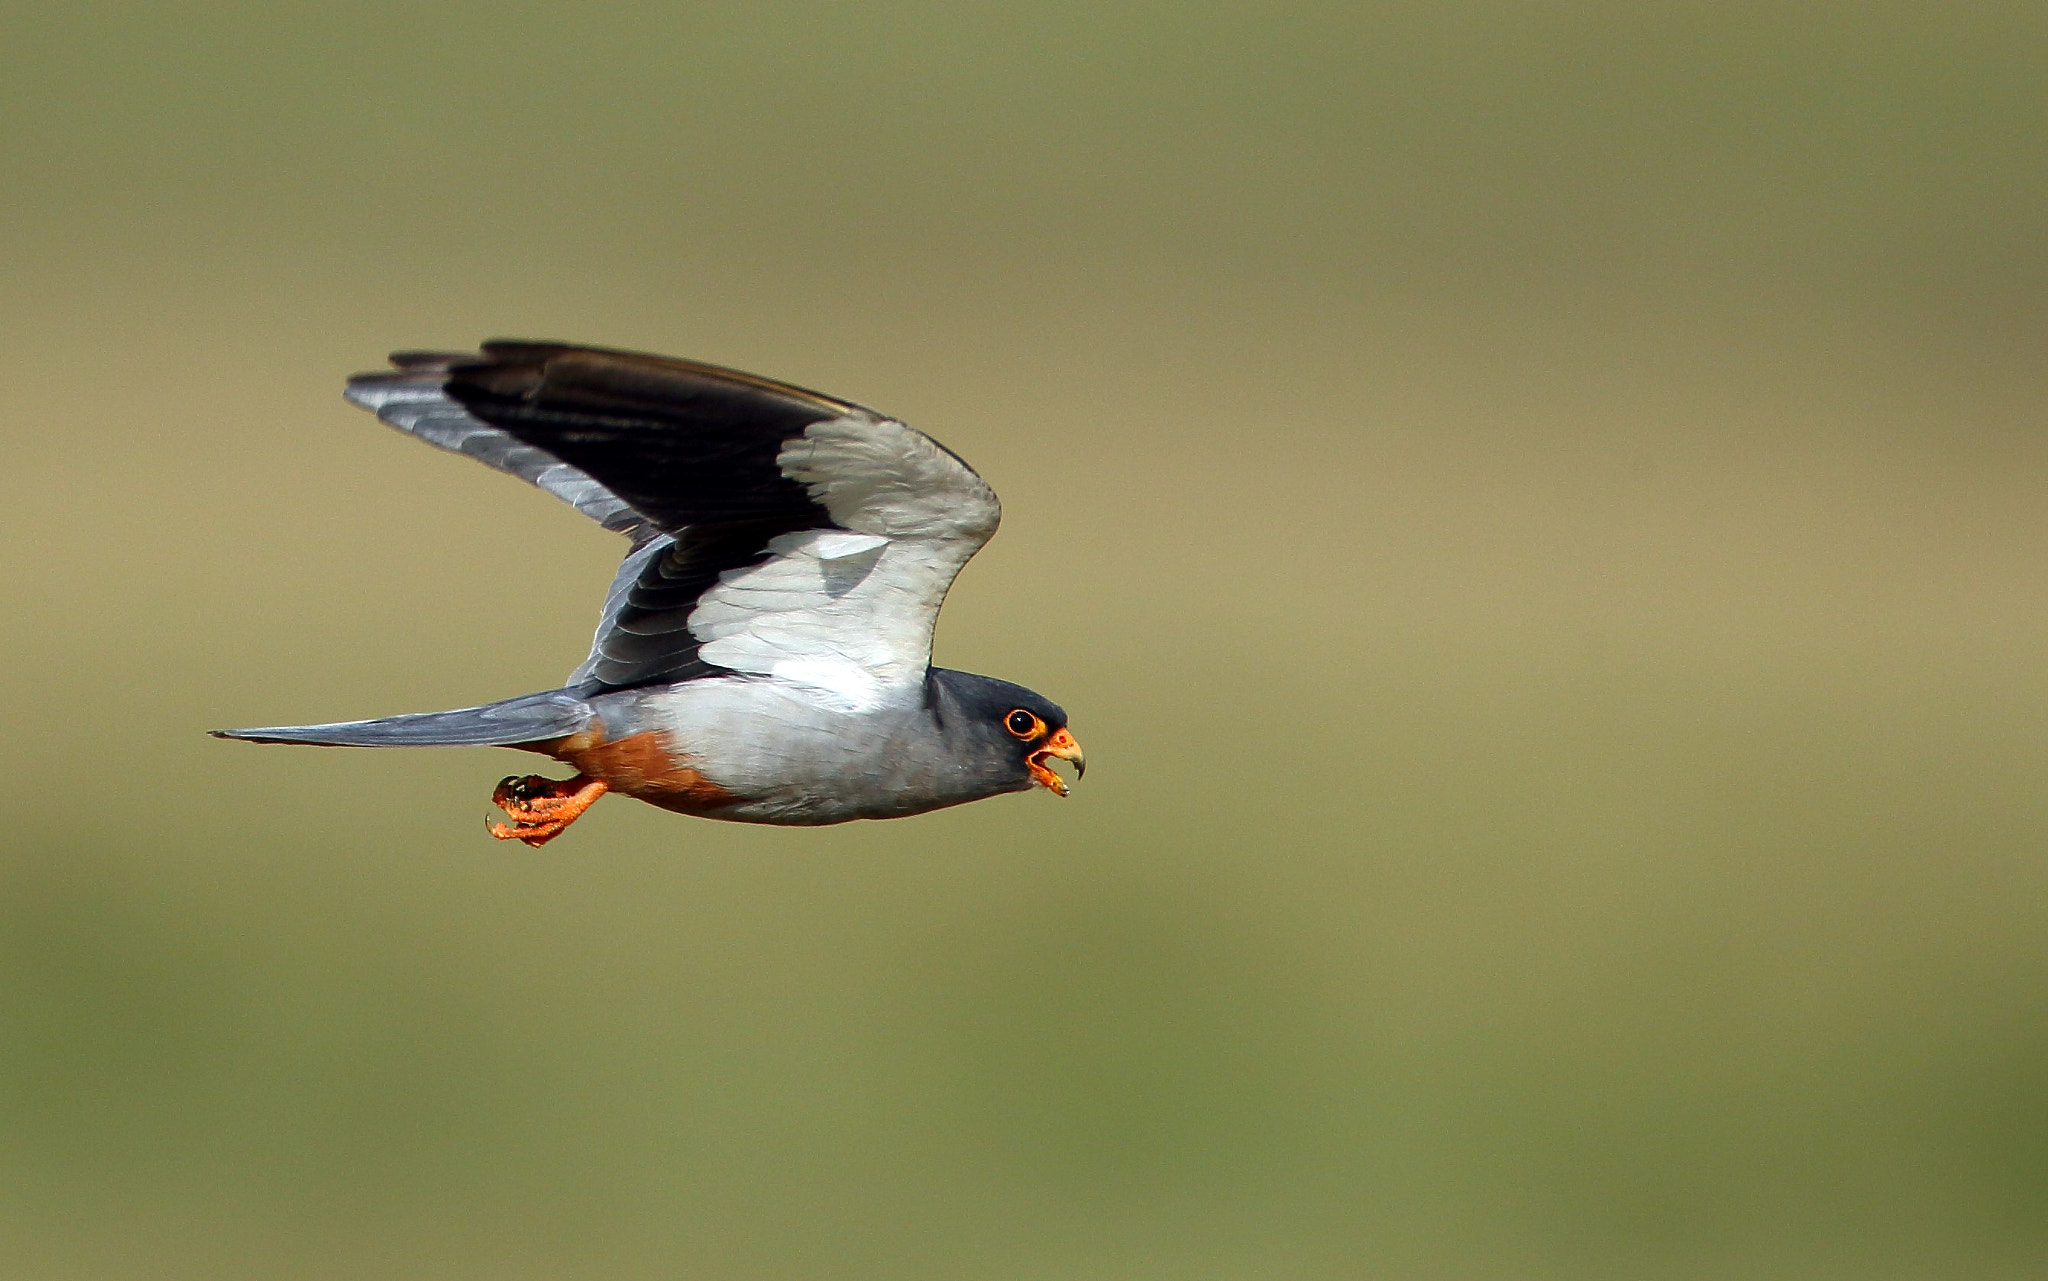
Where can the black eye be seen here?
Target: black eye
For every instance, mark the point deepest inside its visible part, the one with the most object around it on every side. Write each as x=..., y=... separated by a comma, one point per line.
x=1022, y=723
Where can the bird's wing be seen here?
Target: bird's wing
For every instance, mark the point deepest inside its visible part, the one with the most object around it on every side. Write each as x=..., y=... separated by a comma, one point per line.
x=778, y=531
x=410, y=397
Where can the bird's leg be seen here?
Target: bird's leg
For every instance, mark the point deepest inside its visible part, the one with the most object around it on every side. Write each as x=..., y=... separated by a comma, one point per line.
x=540, y=808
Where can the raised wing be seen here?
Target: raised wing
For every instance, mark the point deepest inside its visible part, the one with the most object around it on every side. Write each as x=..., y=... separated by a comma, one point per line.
x=410, y=398
x=778, y=531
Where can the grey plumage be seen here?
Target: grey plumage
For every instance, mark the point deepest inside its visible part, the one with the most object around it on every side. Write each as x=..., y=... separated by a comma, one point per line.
x=526, y=719
x=763, y=652
x=611, y=664
x=412, y=400
x=789, y=758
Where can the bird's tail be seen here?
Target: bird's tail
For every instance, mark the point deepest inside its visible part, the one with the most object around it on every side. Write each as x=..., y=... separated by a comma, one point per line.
x=526, y=719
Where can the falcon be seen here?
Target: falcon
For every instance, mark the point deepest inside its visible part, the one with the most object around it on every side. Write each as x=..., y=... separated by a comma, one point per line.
x=764, y=652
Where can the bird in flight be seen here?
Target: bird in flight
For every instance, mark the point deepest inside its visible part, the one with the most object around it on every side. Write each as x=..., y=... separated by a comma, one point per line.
x=764, y=653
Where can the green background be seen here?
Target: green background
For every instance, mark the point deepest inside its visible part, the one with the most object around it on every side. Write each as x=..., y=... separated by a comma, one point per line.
x=1537, y=513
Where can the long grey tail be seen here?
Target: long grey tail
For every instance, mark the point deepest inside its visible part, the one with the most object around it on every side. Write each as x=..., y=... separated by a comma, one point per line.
x=516, y=720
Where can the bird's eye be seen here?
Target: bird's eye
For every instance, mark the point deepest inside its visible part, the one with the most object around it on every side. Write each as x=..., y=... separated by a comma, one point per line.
x=1023, y=724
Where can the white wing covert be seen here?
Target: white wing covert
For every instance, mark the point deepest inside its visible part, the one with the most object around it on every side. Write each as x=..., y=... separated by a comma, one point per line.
x=850, y=609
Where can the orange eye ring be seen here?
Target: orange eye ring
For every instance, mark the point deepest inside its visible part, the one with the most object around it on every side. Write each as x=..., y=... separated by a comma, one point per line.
x=1023, y=724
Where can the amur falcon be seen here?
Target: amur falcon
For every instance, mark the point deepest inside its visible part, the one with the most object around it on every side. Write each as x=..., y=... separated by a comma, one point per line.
x=764, y=653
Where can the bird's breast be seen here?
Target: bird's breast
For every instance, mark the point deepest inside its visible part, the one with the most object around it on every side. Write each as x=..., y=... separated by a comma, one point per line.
x=755, y=749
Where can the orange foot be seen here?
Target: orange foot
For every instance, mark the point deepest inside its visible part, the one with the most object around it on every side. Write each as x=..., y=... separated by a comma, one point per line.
x=541, y=807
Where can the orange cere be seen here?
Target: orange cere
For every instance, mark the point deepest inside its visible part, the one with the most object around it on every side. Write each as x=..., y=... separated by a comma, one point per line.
x=1062, y=745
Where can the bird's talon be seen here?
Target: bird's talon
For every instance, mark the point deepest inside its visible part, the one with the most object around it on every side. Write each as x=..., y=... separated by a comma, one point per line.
x=520, y=789
x=540, y=808
x=532, y=834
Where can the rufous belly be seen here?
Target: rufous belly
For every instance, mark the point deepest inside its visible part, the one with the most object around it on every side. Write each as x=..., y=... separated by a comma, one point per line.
x=645, y=766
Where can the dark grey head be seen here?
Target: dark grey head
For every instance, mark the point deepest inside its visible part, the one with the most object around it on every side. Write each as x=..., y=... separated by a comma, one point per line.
x=1009, y=730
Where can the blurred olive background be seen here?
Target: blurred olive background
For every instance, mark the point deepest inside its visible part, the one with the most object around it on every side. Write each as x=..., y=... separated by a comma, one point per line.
x=1537, y=513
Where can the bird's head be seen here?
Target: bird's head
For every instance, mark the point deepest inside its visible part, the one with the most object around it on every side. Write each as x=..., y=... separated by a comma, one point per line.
x=1019, y=728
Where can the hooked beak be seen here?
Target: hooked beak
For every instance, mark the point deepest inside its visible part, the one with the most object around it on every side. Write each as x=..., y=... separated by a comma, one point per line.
x=1062, y=745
